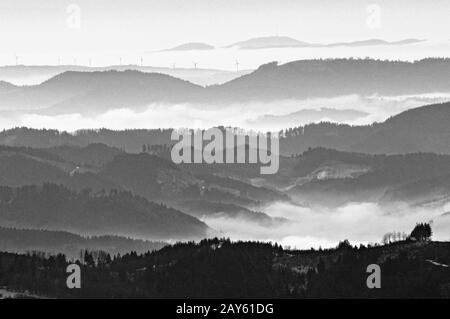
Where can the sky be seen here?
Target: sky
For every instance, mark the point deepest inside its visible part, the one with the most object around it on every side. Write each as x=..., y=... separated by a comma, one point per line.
x=36, y=27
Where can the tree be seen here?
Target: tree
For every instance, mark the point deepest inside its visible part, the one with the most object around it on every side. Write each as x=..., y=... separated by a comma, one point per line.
x=421, y=232
x=345, y=244
x=89, y=259
x=394, y=236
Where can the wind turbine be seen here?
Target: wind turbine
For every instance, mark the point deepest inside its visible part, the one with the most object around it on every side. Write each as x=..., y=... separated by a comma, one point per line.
x=195, y=65
x=237, y=65
x=17, y=59
x=142, y=61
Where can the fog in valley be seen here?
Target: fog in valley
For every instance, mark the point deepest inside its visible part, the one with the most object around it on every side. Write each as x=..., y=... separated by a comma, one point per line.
x=314, y=227
x=259, y=116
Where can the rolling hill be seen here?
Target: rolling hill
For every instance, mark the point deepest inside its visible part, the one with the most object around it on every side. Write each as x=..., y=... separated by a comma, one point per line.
x=27, y=166
x=191, y=46
x=269, y=42
x=220, y=269
x=36, y=74
x=331, y=177
x=54, y=207
x=423, y=129
x=281, y=42
x=328, y=78
x=96, y=92
x=59, y=242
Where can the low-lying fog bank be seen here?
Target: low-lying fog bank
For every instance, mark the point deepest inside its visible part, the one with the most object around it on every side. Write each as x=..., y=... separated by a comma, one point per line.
x=323, y=227
x=264, y=116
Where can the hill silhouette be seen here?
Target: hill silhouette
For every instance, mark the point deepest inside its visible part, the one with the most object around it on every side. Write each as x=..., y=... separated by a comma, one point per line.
x=219, y=268
x=96, y=92
x=288, y=42
x=191, y=46
x=57, y=242
x=54, y=207
x=355, y=177
x=269, y=42
x=327, y=78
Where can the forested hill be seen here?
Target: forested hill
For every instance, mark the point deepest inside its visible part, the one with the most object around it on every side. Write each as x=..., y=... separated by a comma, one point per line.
x=46, y=241
x=222, y=269
x=337, y=77
x=422, y=129
x=55, y=207
x=96, y=92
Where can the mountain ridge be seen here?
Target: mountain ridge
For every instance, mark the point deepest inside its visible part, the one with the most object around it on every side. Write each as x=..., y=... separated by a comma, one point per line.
x=97, y=92
x=269, y=42
x=191, y=46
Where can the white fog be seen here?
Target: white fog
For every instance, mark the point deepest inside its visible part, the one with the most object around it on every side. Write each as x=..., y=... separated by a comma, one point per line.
x=324, y=227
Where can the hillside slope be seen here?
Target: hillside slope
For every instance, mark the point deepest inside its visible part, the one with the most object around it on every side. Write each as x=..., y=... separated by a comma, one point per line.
x=222, y=269
x=96, y=92
x=54, y=207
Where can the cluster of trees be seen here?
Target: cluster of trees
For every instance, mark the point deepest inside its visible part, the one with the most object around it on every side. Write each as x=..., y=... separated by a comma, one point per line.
x=394, y=236
x=422, y=232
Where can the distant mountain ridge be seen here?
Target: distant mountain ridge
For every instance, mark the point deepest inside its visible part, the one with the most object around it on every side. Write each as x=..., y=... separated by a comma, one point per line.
x=372, y=42
x=33, y=75
x=330, y=78
x=100, y=168
x=30, y=240
x=423, y=129
x=54, y=207
x=331, y=178
x=191, y=46
x=96, y=92
x=288, y=42
x=269, y=42
x=307, y=116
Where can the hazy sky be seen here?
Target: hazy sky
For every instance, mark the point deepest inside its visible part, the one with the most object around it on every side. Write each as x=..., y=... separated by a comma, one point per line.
x=113, y=25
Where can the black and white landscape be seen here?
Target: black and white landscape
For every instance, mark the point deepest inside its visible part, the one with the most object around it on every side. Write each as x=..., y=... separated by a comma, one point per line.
x=361, y=110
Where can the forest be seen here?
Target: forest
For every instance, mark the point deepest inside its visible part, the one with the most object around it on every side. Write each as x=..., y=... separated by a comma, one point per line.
x=220, y=268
